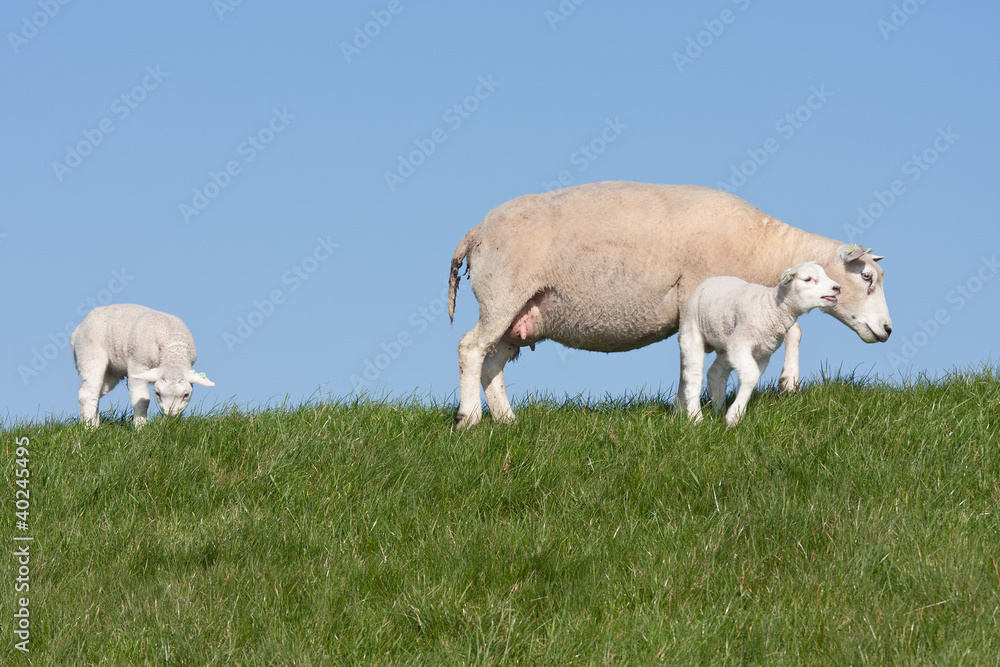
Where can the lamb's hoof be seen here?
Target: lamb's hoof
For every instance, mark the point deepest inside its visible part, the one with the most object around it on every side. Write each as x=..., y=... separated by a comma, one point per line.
x=788, y=384
x=463, y=422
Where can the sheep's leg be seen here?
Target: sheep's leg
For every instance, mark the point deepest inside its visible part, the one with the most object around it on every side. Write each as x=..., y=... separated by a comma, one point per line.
x=138, y=392
x=95, y=383
x=692, y=365
x=89, y=400
x=471, y=354
x=749, y=371
x=718, y=378
x=492, y=379
x=789, y=380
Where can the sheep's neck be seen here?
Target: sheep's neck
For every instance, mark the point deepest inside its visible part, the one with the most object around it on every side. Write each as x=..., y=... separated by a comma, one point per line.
x=175, y=354
x=786, y=247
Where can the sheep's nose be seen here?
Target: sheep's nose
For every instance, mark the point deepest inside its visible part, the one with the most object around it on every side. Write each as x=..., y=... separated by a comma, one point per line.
x=888, y=330
x=836, y=288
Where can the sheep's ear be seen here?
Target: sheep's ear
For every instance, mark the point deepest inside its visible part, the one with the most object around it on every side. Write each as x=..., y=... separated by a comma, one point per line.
x=149, y=376
x=851, y=251
x=788, y=276
x=199, y=378
x=878, y=258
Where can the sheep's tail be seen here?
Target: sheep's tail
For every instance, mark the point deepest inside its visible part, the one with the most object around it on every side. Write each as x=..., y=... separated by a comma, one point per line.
x=461, y=254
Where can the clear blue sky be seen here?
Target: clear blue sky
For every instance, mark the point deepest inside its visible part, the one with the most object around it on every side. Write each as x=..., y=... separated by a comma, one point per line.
x=294, y=188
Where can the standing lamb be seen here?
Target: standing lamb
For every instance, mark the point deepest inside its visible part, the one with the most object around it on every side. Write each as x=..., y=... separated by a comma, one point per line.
x=744, y=323
x=145, y=345
x=610, y=267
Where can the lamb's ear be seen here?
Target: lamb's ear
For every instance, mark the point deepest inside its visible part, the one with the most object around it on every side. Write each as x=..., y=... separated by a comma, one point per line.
x=851, y=251
x=788, y=276
x=198, y=378
x=151, y=375
x=877, y=258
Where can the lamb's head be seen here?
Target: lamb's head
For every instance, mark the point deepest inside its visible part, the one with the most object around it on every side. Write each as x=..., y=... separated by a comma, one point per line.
x=806, y=286
x=172, y=386
x=862, y=304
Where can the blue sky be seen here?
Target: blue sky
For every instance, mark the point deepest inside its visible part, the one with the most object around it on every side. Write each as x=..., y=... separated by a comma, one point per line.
x=292, y=180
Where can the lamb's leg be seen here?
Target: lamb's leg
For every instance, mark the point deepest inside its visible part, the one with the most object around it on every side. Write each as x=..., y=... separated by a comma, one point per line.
x=471, y=353
x=789, y=379
x=492, y=378
x=89, y=413
x=94, y=384
x=138, y=392
x=718, y=378
x=749, y=371
x=692, y=364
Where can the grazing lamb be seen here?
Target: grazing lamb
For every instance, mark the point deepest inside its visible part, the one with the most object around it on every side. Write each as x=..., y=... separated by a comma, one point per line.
x=744, y=323
x=610, y=267
x=145, y=345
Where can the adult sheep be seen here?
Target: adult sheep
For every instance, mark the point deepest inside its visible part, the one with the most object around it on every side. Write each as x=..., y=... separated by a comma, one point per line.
x=610, y=267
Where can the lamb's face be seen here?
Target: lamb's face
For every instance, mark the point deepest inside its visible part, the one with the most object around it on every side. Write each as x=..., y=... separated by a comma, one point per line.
x=172, y=387
x=172, y=391
x=811, y=287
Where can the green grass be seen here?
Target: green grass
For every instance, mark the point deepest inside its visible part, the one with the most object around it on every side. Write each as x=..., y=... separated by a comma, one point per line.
x=853, y=523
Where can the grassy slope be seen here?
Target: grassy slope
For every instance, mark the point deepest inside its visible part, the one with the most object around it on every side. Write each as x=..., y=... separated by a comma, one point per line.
x=849, y=524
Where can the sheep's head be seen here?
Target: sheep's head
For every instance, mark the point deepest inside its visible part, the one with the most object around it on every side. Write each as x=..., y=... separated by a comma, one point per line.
x=172, y=386
x=809, y=287
x=862, y=304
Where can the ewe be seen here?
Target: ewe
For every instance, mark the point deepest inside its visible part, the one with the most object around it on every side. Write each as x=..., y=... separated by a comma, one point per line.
x=145, y=345
x=744, y=323
x=611, y=266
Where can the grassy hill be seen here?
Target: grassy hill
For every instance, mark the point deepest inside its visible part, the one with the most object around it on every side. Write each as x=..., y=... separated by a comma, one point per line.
x=853, y=523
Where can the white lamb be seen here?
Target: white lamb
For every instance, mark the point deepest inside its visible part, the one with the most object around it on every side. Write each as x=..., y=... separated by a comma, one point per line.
x=145, y=345
x=744, y=323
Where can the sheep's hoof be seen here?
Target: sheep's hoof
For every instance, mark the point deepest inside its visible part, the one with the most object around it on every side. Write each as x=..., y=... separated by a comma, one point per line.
x=789, y=384
x=463, y=422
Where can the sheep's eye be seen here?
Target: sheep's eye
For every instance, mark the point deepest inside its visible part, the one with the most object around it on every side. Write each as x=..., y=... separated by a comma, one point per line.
x=867, y=276
x=186, y=396
x=808, y=279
